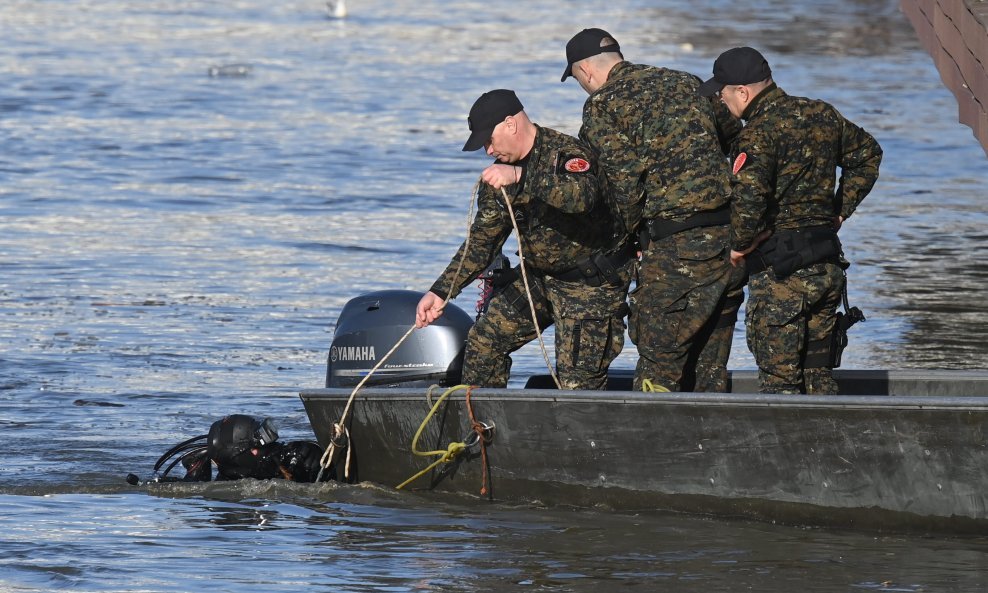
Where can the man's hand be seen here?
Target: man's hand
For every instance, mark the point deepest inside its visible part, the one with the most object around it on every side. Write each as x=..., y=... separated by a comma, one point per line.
x=498, y=176
x=429, y=309
x=737, y=257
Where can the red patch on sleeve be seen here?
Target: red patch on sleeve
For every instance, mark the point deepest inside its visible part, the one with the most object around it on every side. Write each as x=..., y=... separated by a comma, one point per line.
x=739, y=162
x=577, y=165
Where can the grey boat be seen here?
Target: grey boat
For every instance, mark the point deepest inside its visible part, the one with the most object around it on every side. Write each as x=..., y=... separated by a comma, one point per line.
x=897, y=450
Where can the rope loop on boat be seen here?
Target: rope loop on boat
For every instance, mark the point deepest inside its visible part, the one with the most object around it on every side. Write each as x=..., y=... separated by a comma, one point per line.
x=484, y=434
x=451, y=452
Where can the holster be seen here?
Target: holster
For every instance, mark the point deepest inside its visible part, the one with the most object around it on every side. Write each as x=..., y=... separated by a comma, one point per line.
x=600, y=268
x=827, y=352
x=512, y=290
x=839, y=337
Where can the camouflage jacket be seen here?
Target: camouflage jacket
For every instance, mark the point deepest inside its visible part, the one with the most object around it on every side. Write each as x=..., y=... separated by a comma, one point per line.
x=786, y=179
x=661, y=146
x=557, y=204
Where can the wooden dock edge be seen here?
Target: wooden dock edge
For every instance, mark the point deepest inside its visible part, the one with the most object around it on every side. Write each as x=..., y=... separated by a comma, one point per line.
x=955, y=34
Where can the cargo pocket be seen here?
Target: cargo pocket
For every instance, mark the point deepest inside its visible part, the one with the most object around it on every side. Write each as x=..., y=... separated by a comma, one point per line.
x=703, y=252
x=668, y=324
x=591, y=344
x=655, y=326
x=705, y=260
x=774, y=335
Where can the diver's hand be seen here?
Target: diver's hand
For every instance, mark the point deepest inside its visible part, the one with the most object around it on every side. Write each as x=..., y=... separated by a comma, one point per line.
x=498, y=175
x=429, y=309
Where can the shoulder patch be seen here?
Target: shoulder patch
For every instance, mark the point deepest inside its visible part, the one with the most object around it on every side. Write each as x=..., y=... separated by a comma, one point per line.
x=577, y=165
x=739, y=162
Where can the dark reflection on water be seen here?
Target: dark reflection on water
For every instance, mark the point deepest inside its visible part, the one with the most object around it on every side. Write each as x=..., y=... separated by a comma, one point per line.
x=942, y=291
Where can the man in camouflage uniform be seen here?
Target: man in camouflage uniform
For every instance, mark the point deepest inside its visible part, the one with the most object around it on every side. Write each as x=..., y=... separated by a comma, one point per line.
x=662, y=150
x=789, y=152
x=578, y=275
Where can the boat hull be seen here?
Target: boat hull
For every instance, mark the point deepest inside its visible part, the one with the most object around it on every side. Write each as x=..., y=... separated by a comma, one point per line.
x=890, y=461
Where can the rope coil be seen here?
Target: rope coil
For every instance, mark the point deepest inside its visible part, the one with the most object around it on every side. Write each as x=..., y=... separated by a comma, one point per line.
x=444, y=455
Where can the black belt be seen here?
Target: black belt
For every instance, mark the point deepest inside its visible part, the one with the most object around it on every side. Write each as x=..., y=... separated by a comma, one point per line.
x=790, y=250
x=599, y=268
x=660, y=228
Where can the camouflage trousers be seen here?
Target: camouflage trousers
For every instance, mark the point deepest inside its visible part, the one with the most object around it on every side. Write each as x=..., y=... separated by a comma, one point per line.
x=589, y=329
x=684, y=309
x=786, y=318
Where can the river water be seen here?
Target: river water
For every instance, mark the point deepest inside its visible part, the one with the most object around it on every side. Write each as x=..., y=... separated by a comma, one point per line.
x=191, y=190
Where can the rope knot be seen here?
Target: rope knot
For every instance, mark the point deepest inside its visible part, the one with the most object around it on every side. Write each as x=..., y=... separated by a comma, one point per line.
x=341, y=436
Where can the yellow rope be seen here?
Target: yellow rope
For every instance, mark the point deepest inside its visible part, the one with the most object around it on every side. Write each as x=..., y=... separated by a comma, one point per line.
x=649, y=387
x=444, y=455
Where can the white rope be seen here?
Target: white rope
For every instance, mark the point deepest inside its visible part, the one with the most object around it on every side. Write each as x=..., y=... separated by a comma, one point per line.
x=528, y=292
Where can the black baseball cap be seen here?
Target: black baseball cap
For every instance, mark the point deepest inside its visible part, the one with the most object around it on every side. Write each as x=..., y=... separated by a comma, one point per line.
x=741, y=65
x=488, y=111
x=584, y=44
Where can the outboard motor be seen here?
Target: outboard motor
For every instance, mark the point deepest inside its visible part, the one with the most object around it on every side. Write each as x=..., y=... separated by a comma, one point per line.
x=370, y=325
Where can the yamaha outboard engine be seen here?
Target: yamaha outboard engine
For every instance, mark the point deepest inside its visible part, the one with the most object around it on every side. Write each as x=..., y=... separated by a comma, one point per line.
x=370, y=325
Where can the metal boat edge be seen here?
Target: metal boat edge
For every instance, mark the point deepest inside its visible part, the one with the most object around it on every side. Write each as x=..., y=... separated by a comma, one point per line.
x=896, y=451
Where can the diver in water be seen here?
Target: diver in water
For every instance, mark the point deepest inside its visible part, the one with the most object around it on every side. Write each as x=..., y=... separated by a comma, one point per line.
x=240, y=446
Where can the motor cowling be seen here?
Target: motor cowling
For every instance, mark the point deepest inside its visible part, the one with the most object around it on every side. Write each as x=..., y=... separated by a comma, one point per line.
x=371, y=324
